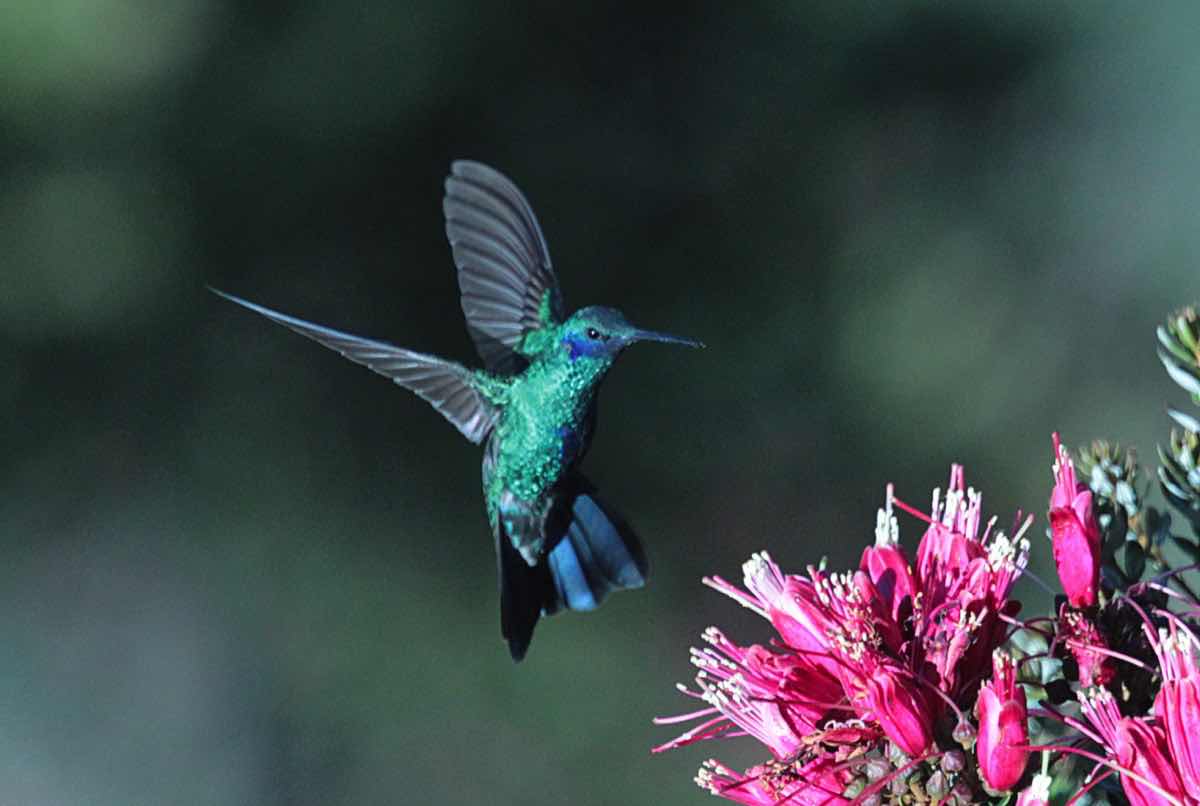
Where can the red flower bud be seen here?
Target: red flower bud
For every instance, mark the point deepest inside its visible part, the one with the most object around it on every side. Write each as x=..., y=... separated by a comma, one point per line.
x=1075, y=532
x=1003, y=726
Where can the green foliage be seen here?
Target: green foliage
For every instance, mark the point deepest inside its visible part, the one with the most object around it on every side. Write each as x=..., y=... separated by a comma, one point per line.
x=1179, y=350
x=1179, y=459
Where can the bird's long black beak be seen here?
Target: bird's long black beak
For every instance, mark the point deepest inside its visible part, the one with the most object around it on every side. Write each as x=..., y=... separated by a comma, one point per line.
x=666, y=338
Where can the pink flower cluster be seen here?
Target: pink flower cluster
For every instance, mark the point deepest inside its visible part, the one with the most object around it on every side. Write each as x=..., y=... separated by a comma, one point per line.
x=893, y=682
x=871, y=665
x=1158, y=755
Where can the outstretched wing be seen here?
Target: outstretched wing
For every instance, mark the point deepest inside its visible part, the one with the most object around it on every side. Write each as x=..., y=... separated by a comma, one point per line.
x=508, y=285
x=448, y=387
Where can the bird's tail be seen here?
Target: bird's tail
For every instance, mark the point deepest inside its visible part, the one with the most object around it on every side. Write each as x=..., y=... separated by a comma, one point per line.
x=597, y=553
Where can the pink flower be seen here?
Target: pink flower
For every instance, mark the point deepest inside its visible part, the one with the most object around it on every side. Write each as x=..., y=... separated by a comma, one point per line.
x=1037, y=793
x=1084, y=641
x=1003, y=726
x=886, y=694
x=1075, y=532
x=777, y=698
x=1178, y=703
x=846, y=658
x=787, y=602
x=1138, y=748
x=887, y=568
x=878, y=653
x=964, y=579
x=951, y=543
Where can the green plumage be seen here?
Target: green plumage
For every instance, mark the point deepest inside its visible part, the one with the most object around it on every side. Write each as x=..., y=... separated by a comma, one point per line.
x=544, y=429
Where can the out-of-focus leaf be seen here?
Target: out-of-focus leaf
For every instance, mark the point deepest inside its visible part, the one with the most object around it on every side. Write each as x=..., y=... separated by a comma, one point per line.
x=1183, y=329
x=1157, y=525
x=1173, y=346
x=1187, y=421
x=1135, y=560
x=1187, y=377
x=1190, y=547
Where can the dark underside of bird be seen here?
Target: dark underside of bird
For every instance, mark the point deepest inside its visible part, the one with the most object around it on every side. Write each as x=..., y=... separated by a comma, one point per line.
x=558, y=546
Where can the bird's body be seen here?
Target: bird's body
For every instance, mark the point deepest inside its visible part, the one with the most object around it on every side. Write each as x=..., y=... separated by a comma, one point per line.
x=544, y=430
x=533, y=406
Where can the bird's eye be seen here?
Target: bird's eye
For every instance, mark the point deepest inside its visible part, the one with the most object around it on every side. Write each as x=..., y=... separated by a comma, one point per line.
x=593, y=334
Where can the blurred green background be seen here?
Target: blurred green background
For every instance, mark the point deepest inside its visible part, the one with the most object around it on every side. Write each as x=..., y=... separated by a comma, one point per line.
x=240, y=570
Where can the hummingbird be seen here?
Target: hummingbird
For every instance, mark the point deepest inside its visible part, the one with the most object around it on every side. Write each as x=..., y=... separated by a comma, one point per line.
x=558, y=545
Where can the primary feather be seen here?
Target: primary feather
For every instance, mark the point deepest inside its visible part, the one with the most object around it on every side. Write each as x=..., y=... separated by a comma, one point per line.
x=508, y=285
x=450, y=388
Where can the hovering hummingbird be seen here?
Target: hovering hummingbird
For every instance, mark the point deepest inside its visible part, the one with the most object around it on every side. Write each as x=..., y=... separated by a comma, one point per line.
x=534, y=406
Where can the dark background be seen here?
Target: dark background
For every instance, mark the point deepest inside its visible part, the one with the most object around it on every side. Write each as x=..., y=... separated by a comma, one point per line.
x=238, y=569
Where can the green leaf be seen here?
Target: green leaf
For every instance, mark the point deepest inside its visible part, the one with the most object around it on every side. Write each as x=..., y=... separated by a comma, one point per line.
x=1158, y=525
x=1187, y=421
x=1135, y=560
x=1186, y=376
x=1172, y=483
x=1169, y=343
x=1190, y=547
x=1068, y=778
x=1183, y=332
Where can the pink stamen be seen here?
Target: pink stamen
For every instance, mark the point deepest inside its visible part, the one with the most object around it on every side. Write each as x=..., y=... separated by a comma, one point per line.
x=675, y=720
x=911, y=510
x=1048, y=710
x=1025, y=625
x=1084, y=789
x=1099, y=650
x=709, y=730
x=1163, y=589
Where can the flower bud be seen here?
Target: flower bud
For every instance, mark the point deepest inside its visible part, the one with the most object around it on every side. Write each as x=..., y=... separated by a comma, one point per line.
x=964, y=734
x=937, y=787
x=875, y=769
x=1075, y=532
x=1003, y=726
x=954, y=761
x=963, y=794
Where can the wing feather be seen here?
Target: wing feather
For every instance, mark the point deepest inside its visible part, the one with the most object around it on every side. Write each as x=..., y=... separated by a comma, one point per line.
x=504, y=269
x=449, y=387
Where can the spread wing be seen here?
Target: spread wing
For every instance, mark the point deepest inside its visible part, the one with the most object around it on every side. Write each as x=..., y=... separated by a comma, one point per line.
x=508, y=285
x=448, y=387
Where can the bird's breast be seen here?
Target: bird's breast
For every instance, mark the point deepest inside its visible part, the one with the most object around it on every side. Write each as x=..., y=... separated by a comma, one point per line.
x=533, y=451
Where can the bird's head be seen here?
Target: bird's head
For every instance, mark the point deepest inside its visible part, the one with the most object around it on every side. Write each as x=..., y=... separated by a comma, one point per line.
x=602, y=333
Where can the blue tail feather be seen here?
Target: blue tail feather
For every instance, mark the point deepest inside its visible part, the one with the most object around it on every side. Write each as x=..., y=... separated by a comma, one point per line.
x=595, y=557
x=595, y=554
